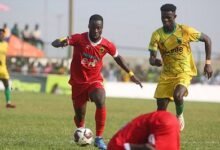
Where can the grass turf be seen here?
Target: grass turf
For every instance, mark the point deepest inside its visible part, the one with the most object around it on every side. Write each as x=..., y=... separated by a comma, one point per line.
x=44, y=121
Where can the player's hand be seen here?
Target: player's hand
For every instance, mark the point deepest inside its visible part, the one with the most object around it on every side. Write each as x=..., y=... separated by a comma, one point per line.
x=158, y=62
x=208, y=71
x=135, y=80
x=155, y=62
x=58, y=43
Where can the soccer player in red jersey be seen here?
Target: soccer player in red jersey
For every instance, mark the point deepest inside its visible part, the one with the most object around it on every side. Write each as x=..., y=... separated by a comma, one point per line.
x=86, y=79
x=157, y=130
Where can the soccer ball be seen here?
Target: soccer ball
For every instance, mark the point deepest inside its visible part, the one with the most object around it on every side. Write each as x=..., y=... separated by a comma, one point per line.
x=83, y=136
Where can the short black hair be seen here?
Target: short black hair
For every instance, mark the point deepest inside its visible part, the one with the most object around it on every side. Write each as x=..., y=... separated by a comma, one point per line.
x=96, y=17
x=168, y=7
x=2, y=30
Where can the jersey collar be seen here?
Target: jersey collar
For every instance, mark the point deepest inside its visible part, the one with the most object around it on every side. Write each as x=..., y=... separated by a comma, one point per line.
x=94, y=43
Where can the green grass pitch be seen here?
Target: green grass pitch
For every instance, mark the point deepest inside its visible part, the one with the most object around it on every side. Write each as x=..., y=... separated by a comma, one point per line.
x=44, y=122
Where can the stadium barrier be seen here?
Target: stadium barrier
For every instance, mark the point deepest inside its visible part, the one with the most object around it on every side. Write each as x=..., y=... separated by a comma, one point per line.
x=30, y=83
x=197, y=92
x=58, y=84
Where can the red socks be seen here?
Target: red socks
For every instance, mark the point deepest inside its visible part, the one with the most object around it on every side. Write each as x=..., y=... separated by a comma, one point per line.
x=100, y=118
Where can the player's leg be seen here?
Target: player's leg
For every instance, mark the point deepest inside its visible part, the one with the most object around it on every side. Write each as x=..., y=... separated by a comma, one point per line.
x=79, y=105
x=163, y=93
x=179, y=92
x=80, y=113
x=98, y=97
x=162, y=103
x=178, y=95
x=7, y=93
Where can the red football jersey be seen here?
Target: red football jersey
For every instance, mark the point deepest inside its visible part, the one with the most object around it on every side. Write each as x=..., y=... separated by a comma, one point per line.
x=160, y=129
x=87, y=58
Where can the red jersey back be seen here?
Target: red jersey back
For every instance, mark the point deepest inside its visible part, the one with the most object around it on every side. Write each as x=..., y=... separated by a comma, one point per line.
x=87, y=58
x=160, y=129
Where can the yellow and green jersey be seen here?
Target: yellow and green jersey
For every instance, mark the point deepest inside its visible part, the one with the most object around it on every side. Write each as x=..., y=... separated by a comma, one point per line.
x=175, y=50
x=3, y=69
x=3, y=52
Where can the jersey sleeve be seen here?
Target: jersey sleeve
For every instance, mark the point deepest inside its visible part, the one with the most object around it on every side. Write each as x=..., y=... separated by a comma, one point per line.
x=112, y=50
x=73, y=39
x=193, y=34
x=153, y=46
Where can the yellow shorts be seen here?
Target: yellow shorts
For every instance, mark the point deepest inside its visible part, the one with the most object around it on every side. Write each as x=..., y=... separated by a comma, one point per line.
x=4, y=73
x=166, y=86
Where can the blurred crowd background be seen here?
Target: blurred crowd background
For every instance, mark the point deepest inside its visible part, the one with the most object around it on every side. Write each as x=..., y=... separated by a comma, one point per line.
x=110, y=71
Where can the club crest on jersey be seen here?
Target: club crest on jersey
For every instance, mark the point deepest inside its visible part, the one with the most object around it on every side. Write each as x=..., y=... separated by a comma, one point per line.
x=101, y=50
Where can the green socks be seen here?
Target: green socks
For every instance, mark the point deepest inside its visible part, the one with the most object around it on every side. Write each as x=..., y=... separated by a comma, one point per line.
x=7, y=94
x=179, y=109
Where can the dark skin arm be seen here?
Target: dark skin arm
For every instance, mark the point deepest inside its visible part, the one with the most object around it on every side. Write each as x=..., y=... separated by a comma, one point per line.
x=141, y=147
x=154, y=61
x=120, y=61
x=208, y=47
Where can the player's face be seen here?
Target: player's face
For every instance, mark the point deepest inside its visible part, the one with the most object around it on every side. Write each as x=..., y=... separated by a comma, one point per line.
x=95, y=30
x=168, y=19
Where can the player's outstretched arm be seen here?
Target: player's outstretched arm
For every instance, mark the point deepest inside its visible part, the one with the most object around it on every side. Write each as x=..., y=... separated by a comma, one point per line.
x=153, y=60
x=62, y=42
x=120, y=61
x=208, y=47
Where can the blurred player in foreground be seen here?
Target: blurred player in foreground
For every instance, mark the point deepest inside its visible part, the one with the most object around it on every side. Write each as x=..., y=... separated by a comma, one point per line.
x=4, y=76
x=152, y=131
x=173, y=42
x=86, y=79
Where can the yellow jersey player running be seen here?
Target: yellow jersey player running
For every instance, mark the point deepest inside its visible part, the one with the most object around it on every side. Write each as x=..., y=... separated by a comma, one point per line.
x=4, y=76
x=173, y=42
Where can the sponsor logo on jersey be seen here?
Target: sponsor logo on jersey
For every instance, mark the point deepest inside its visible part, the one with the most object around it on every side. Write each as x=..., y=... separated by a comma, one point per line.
x=177, y=50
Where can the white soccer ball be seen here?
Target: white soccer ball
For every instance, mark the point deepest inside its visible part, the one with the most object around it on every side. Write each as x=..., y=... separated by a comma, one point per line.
x=83, y=136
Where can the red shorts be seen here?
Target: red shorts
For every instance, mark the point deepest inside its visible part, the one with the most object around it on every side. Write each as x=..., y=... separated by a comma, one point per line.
x=80, y=92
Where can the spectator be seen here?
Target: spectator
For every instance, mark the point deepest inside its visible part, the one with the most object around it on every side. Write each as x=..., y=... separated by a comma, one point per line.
x=112, y=73
x=141, y=74
x=36, y=37
x=105, y=72
x=7, y=32
x=26, y=35
x=48, y=68
x=15, y=31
